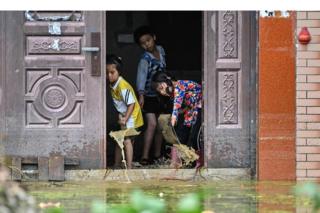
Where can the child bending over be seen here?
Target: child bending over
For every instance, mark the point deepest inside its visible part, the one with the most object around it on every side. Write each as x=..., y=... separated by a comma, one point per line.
x=187, y=105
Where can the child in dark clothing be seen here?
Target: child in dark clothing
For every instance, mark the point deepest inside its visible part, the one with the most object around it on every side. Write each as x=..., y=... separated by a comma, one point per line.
x=151, y=62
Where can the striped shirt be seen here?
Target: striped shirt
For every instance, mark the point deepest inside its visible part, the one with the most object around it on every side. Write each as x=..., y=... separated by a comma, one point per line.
x=123, y=95
x=147, y=67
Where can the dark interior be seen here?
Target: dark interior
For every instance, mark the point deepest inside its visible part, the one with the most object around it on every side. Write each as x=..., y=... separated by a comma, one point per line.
x=180, y=34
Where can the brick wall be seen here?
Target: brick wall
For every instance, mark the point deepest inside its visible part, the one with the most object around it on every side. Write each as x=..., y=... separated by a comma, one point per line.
x=308, y=99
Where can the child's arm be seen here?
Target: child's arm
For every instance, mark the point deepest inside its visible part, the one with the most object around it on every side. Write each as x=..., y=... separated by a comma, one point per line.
x=142, y=79
x=177, y=103
x=128, y=113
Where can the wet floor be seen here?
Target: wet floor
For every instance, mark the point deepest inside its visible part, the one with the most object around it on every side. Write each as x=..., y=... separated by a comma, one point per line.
x=223, y=196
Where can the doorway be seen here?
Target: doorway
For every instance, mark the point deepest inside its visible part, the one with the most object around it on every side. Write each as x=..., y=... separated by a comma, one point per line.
x=178, y=32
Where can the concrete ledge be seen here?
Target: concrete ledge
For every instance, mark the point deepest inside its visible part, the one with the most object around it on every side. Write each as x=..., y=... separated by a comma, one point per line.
x=165, y=174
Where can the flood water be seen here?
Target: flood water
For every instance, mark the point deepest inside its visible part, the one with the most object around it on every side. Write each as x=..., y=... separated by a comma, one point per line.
x=223, y=196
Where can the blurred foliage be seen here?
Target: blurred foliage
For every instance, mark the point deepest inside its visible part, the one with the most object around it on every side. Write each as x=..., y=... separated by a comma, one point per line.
x=141, y=203
x=311, y=191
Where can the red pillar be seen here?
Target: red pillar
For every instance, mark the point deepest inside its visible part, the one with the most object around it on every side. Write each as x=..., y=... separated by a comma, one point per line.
x=276, y=113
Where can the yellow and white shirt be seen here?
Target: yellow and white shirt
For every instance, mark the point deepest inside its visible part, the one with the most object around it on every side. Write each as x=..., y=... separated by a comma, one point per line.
x=123, y=95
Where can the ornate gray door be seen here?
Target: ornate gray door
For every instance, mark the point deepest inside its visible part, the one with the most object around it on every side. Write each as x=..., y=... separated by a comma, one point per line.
x=229, y=89
x=53, y=86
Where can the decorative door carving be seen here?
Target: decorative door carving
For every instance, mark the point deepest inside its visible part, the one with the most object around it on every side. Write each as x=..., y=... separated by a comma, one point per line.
x=54, y=104
x=229, y=88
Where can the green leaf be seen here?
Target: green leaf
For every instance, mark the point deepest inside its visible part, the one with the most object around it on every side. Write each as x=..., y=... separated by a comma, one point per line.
x=191, y=203
x=146, y=204
x=54, y=210
x=98, y=207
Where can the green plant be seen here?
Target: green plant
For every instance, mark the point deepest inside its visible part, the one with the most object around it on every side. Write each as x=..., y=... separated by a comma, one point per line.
x=311, y=191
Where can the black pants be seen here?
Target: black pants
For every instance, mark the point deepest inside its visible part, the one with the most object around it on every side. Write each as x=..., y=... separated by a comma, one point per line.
x=189, y=135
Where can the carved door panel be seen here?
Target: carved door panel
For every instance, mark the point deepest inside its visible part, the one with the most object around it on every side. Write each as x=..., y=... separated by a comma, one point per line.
x=229, y=89
x=54, y=89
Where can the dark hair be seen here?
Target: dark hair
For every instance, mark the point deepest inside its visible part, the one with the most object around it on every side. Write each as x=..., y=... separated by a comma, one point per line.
x=113, y=59
x=140, y=31
x=161, y=77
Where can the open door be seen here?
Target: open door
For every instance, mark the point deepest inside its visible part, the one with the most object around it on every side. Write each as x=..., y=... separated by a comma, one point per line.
x=54, y=87
x=230, y=89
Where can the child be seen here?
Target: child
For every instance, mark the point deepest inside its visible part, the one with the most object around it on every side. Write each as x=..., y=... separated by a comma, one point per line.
x=152, y=61
x=187, y=101
x=126, y=104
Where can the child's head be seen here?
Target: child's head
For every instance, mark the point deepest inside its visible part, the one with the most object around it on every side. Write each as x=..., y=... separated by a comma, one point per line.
x=145, y=37
x=162, y=83
x=113, y=68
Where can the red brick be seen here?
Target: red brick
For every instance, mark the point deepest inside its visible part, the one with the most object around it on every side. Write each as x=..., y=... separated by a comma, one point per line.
x=308, y=23
x=302, y=47
x=301, y=94
x=307, y=179
x=301, y=141
x=313, y=63
x=313, y=141
x=308, y=134
x=301, y=173
x=313, y=126
x=313, y=78
x=301, y=15
x=301, y=63
x=314, y=31
x=313, y=173
x=301, y=78
x=308, y=70
x=308, y=149
x=313, y=110
x=308, y=54
x=301, y=110
x=308, y=165
x=315, y=39
x=312, y=47
x=308, y=118
x=301, y=157
x=308, y=86
x=308, y=102
x=313, y=157
x=313, y=94
x=301, y=126
x=313, y=15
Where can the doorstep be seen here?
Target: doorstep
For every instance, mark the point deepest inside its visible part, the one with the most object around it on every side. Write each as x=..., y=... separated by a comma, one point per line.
x=164, y=174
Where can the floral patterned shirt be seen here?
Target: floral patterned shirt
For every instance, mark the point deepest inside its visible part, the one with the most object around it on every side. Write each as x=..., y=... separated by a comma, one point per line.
x=187, y=98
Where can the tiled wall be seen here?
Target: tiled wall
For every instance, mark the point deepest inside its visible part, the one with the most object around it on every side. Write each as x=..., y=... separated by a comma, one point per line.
x=308, y=98
x=277, y=88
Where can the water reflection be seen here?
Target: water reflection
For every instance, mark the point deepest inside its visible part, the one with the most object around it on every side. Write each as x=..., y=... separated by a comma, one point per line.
x=223, y=196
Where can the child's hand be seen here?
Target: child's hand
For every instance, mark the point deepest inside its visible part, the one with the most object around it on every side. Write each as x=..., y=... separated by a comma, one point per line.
x=173, y=120
x=141, y=100
x=122, y=121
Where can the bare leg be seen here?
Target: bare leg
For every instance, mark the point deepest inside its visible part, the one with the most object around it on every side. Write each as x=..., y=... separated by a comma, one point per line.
x=117, y=156
x=148, y=134
x=128, y=147
x=158, y=142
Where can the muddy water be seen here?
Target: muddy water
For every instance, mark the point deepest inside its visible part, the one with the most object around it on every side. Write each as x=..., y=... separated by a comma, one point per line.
x=224, y=196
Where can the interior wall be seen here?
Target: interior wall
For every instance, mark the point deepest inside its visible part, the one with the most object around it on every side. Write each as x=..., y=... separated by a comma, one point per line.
x=123, y=23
